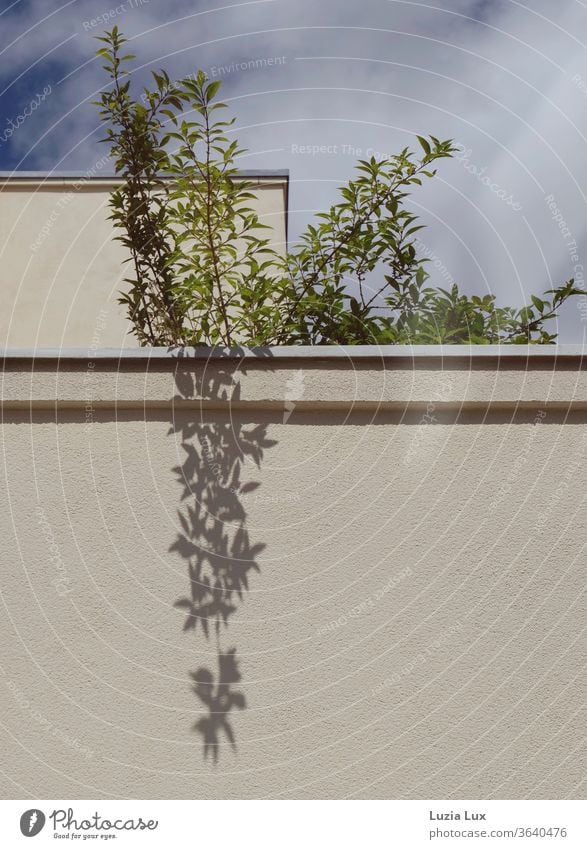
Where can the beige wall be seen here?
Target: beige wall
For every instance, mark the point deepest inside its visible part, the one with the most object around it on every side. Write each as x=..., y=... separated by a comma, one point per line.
x=62, y=270
x=412, y=572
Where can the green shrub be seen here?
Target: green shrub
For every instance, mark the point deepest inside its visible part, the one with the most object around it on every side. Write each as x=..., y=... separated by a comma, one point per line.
x=204, y=271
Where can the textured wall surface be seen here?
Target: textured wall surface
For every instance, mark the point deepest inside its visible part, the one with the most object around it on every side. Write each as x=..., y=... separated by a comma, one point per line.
x=382, y=560
x=62, y=271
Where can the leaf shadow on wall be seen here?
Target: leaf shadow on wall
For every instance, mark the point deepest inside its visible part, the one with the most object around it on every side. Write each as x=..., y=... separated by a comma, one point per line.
x=213, y=538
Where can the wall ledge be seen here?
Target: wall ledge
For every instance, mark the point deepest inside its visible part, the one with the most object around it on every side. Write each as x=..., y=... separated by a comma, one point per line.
x=301, y=378
x=482, y=353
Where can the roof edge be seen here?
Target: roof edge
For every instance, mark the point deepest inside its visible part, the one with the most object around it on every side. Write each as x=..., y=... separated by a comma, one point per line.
x=108, y=175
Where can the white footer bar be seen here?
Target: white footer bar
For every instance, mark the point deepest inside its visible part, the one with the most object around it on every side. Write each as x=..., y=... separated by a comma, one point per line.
x=300, y=824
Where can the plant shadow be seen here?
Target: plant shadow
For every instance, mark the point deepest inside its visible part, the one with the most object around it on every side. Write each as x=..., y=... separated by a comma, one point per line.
x=213, y=538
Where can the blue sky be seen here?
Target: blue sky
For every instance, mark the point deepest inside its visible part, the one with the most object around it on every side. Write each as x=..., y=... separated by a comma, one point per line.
x=312, y=84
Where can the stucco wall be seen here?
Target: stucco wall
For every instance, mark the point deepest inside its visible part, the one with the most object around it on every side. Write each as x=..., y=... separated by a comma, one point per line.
x=62, y=270
x=404, y=590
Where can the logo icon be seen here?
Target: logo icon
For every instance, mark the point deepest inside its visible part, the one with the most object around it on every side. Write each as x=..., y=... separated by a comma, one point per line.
x=32, y=822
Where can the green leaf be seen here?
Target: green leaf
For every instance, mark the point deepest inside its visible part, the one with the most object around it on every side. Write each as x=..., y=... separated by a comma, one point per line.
x=538, y=303
x=424, y=145
x=212, y=89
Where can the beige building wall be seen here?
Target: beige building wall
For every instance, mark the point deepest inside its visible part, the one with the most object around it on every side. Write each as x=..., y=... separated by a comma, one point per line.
x=61, y=269
x=400, y=540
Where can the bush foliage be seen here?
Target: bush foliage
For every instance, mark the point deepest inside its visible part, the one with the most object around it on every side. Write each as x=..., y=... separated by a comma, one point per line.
x=204, y=271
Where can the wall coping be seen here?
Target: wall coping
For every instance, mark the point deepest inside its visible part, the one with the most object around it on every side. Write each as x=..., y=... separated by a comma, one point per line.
x=308, y=379
x=58, y=180
x=507, y=353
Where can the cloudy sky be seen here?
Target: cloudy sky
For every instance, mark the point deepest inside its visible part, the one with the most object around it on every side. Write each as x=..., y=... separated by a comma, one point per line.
x=314, y=85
